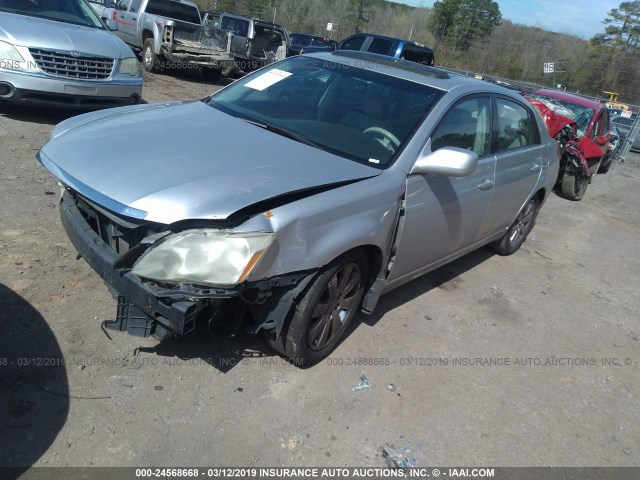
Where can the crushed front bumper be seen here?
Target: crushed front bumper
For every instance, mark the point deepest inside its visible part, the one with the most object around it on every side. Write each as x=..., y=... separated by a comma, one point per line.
x=147, y=309
x=175, y=316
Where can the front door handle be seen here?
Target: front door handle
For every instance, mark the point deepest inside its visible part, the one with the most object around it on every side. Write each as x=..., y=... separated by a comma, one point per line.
x=486, y=184
x=134, y=19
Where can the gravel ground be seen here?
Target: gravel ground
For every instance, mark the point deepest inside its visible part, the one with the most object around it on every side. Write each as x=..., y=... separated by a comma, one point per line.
x=528, y=360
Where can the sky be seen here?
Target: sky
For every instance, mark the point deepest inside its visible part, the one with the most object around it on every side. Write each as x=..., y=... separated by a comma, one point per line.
x=582, y=18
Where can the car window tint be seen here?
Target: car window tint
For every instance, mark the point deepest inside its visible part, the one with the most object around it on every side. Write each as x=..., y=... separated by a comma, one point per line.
x=466, y=125
x=236, y=25
x=122, y=5
x=353, y=44
x=171, y=9
x=417, y=54
x=595, y=131
x=360, y=114
x=135, y=6
x=381, y=46
x=516, y=125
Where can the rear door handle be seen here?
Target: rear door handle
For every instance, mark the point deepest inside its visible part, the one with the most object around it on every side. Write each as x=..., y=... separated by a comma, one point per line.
x=134, y=19
x=535, y=167
x=486, y=184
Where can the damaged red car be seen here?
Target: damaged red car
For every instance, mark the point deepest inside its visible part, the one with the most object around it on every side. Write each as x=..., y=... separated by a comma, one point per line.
x=582, y=129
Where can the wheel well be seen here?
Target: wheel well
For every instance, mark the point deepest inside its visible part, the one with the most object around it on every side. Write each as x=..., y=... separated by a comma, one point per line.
x=374, y=262
x=540, y=194
x=146, y=34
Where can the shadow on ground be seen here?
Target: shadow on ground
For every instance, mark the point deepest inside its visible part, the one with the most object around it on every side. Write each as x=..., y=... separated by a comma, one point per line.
x=34, y=391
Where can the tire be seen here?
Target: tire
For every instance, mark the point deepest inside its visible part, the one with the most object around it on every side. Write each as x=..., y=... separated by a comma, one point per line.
x=229, y=70
x=518, y=231
x=318, y=323
x=150, y=60
x=604, y=168
x=574, y=185
x=211, y=74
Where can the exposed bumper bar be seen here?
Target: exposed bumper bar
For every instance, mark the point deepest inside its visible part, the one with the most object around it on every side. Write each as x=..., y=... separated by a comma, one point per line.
x=178, y=316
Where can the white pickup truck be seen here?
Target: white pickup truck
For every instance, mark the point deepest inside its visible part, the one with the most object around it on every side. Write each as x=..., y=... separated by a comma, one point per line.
x=169, y=33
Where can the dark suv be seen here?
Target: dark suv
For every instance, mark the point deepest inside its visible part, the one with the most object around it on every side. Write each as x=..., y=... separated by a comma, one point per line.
x=392, y=47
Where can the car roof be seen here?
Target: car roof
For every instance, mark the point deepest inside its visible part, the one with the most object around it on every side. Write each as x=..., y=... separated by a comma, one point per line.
x=570, y=97
x=431, y=76
x=394, y=39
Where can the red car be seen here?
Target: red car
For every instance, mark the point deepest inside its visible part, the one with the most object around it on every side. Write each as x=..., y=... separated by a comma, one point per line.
x=582, y=129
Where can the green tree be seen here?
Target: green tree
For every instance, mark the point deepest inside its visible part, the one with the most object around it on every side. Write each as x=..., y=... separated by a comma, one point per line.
x=357, y=15
x=460, y=23
x=622, y=28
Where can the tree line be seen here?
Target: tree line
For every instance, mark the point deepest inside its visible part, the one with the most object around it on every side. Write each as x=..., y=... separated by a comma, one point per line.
x=472, y=35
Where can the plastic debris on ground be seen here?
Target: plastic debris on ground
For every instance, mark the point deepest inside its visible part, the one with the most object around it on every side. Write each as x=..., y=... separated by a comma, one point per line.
x=364, y=383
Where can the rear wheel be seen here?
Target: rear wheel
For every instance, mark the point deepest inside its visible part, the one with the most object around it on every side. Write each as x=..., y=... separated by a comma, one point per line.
x=518, y=231
x=574, y=185
x=229, y=69
x=212, y=74
x=150, y=60
x=322, y=316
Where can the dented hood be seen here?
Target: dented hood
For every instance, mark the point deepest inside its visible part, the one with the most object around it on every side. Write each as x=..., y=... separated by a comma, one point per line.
x=178, y=161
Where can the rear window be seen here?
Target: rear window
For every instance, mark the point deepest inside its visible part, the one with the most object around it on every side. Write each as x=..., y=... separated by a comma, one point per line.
x=413, y=53
x=381, y=46
x=175, y=10
x=236, y=25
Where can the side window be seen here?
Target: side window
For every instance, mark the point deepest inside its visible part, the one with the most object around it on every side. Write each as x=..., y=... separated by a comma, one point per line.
x=353, y=44
x=238, y=26
x=597, y=127
x=415, y=54
x=381, y=46
x=135, y=6
x=122, y=5
x=517, y=127
x=466, y=125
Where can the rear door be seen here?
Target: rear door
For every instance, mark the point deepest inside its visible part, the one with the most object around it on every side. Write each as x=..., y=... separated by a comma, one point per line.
x=519, y=162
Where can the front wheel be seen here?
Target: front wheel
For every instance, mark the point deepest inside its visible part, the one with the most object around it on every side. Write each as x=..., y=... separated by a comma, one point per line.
x=322, y=316
x=518, y=231
x=574, y=185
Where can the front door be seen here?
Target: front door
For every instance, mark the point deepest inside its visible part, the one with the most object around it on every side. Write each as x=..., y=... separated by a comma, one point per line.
x=444, y=214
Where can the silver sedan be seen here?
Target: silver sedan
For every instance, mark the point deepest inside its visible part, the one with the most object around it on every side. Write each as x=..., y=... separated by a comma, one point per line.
x=298, y=195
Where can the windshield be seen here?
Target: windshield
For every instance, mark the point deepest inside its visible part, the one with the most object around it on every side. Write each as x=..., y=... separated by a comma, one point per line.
x=76, y=12
x=581, y=115
x=361, y=114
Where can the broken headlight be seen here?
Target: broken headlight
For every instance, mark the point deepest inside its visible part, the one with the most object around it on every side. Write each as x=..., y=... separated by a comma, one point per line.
x=204, y=257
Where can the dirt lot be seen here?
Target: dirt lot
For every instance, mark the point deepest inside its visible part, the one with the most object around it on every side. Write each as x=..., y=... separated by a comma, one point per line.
x=561, y=314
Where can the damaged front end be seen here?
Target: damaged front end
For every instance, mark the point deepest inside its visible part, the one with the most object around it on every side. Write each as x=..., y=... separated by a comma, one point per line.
x=116, y=247
x=564, y=131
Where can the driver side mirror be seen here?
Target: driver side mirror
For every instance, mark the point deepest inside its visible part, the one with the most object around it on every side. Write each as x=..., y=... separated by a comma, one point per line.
x=601, y=140
x=450, y=161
